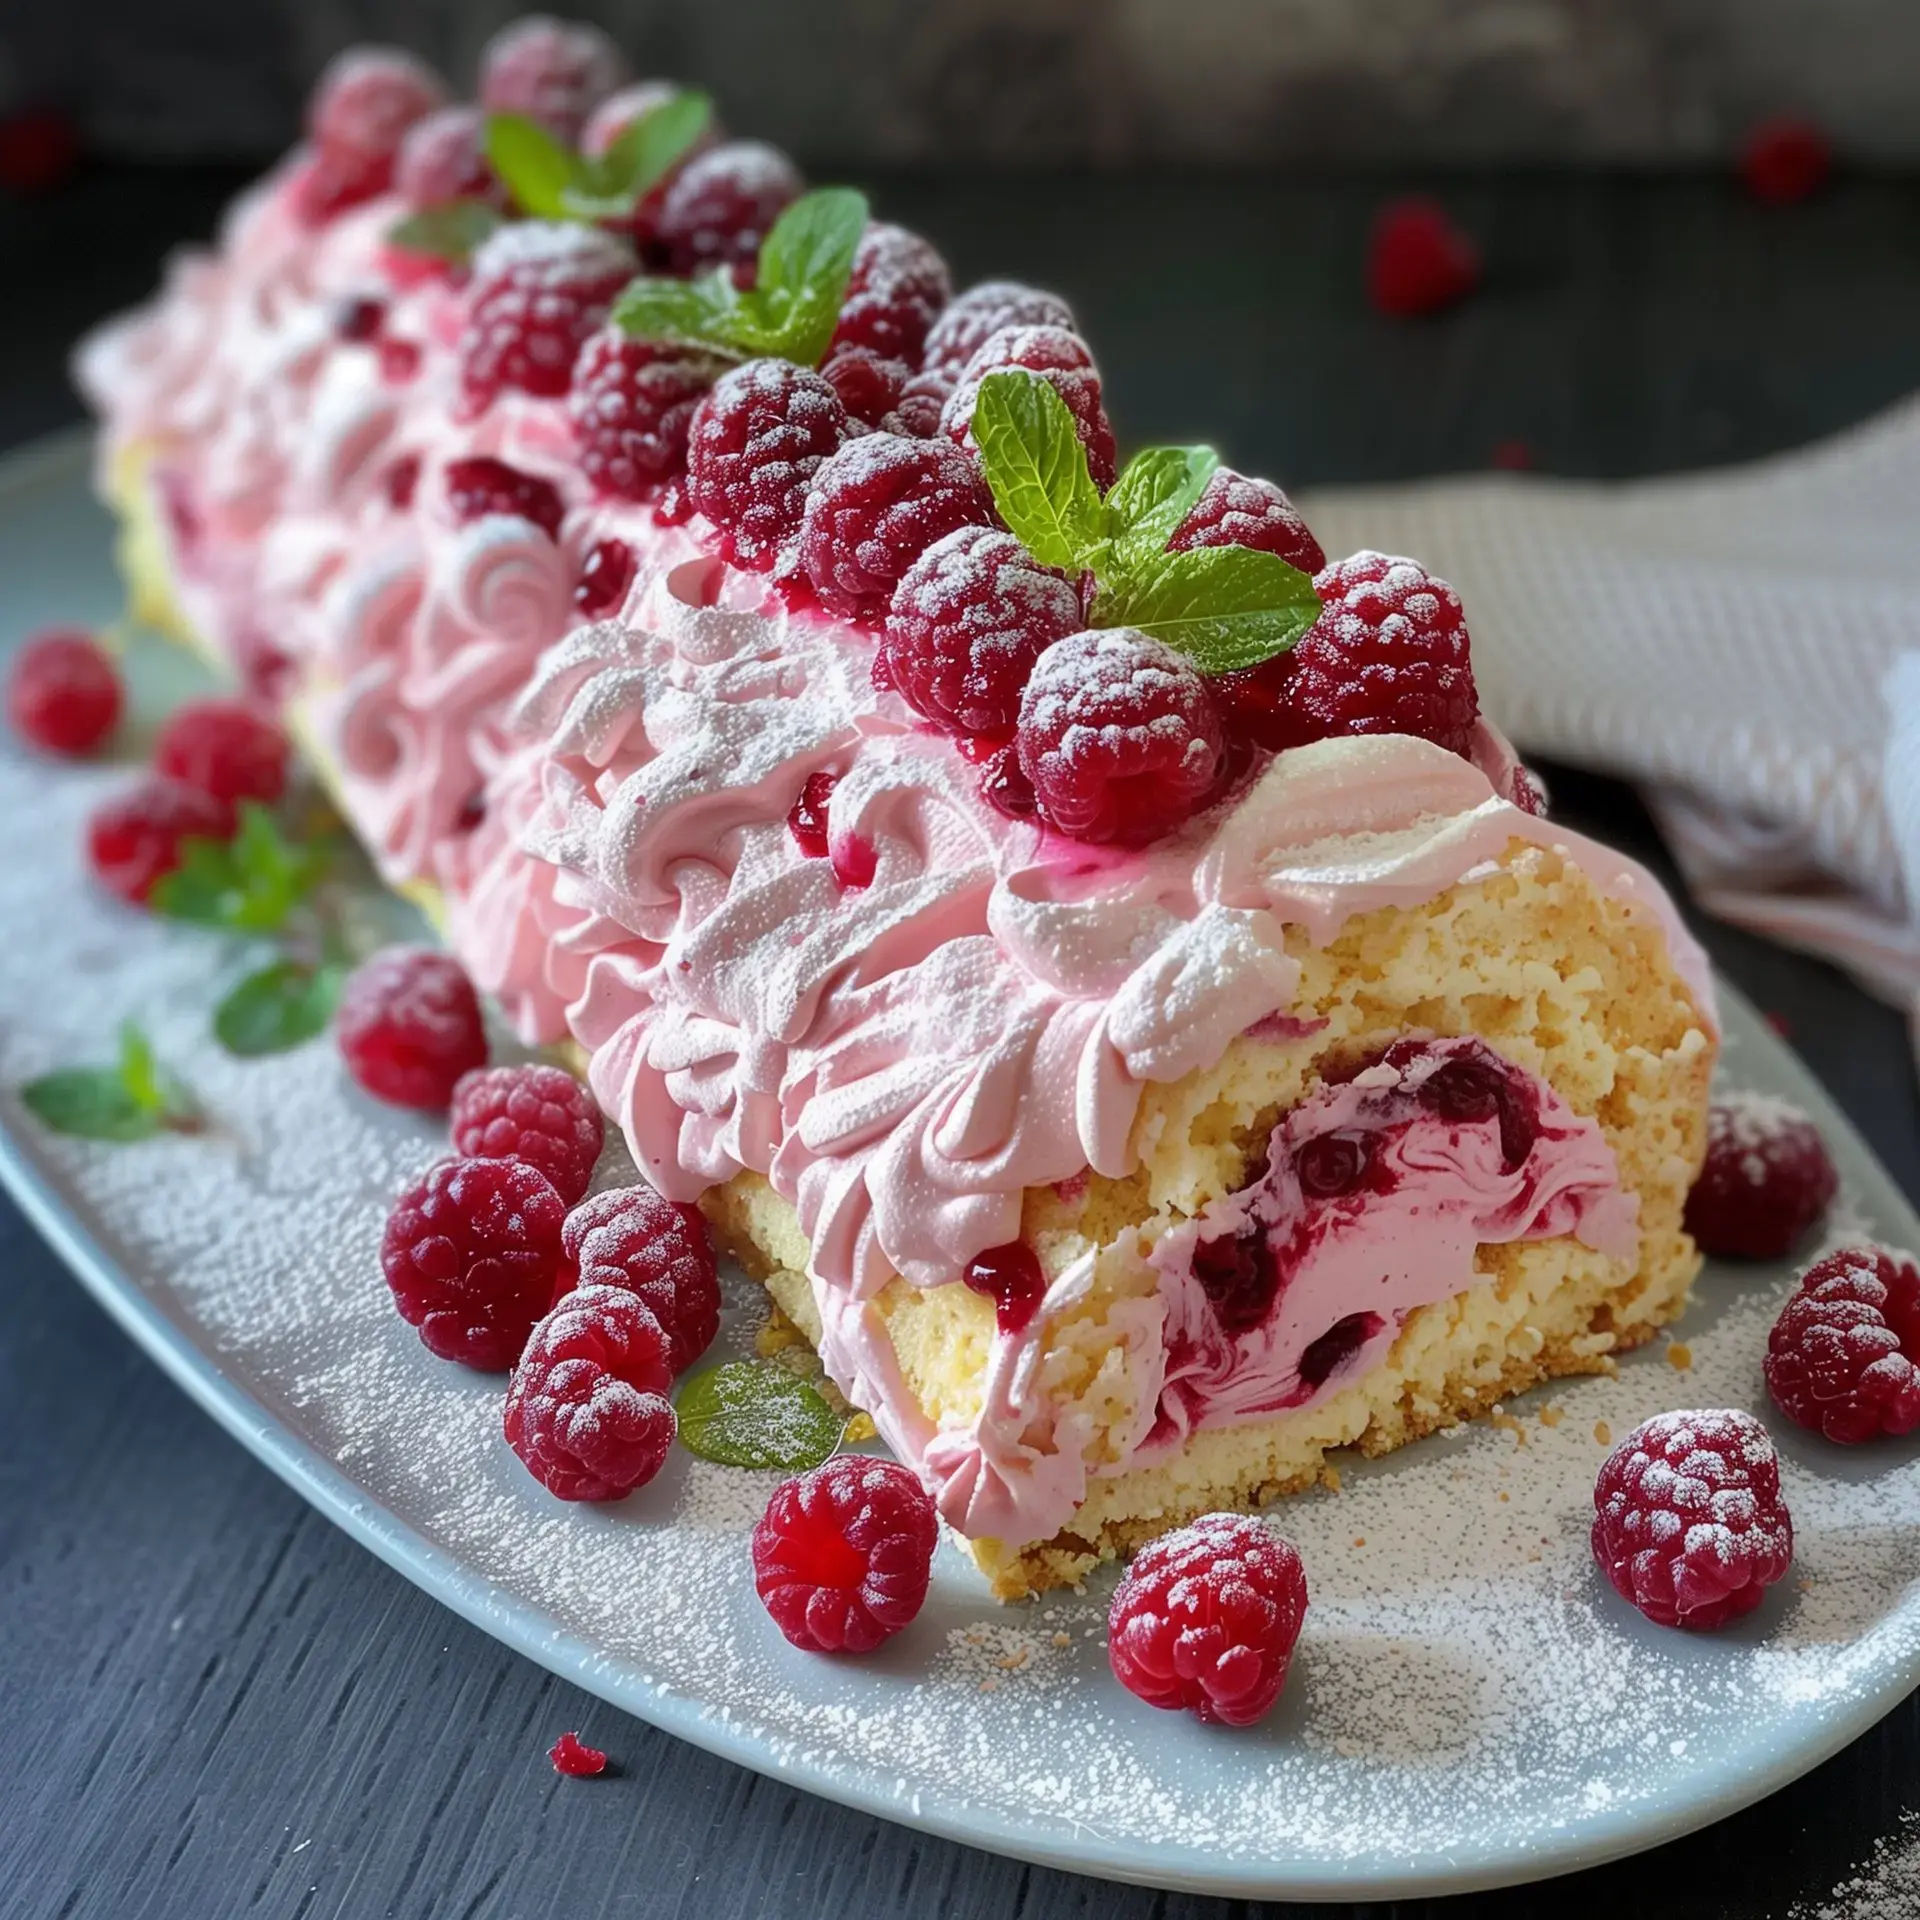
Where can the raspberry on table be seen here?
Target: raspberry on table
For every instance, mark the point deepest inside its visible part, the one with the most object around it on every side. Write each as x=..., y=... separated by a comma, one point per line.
x=1689, y=1525
x=1235, y=511
x=226, y=748
x=869, y=386
x=606, y=575
x=754, y=446
x=572, y=1757
x=875, y=506
x=367, y=100
x=134, y=839
x=967, y=622
x=541, y=289
x=1767, y=1178
x=1785, y=160
x=473, y=1256
x=409, y=1026
x=1418, y=261
x=808, y=819
x=632, y=402
x=480, y=485
x=1206, y=1619
x=1844, y=1355
x=63, y=691
x=1120, y=737
x=969, y=322
x=538, y=1114
x=897, y=288
x=444, y=158
x=843, y=1556
x=553, y=71
x=720, y=205
x=588, y=1408
x=1388, y=654
x=630, y=1237
x=1061, y=359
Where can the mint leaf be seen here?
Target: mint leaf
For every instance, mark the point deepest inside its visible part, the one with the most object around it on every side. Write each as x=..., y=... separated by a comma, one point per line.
x=454, y=232
x=694, y=313
x=1036, y=469
x=647, y=150
x=749, y=1413
x=150, y=1085
x=1153, y=495
x=133, y=1099
x=277, y=1008
x=1223, y=607
x=249, y=884
x=537, y=169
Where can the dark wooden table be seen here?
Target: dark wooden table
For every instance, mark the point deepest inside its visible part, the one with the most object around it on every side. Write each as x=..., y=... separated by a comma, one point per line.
x=212, y=1704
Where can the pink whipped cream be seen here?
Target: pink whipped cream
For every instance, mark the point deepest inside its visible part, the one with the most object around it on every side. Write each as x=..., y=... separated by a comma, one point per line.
x=902, y=1037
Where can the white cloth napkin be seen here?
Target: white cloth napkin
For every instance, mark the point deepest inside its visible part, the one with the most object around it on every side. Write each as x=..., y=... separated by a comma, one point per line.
x=1744, y=644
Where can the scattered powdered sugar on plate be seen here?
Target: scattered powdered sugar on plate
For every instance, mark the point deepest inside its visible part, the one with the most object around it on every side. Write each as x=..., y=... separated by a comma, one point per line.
x=1468, y=1698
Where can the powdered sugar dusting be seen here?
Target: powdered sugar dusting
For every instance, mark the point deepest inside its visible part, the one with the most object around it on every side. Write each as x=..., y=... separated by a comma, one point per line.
x=1886, y=1888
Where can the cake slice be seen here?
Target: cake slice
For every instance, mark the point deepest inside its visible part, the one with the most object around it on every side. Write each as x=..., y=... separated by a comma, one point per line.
x=1087, y=957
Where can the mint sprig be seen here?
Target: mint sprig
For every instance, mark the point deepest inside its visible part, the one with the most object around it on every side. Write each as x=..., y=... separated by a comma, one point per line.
x=133, y=1099
x=1223, y=607
x=278, y=1007
x=750, y=1413
x=454, y=232
x=552, y=182
x=793, y=306
x=249, y=884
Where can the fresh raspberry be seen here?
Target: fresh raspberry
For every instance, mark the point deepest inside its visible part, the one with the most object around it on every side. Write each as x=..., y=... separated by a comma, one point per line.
x=1237, y=512
x=755, y=444
x=1388, y=654
x=1418, y=261
x=1766, y=1179
x=869, y=386
x=574, y=1758
x=606, y=574
x=63, y=691
x=720, y=205
x=337, y=179
x=480, y=485
x=368, y=98
x=409, y=1026
x=1004, y=784
x=1119, y=735
x=1844, y=1355
x=540, y=290
x=134, y=839
x=473, y=1257
x=875, y=507
x=967, y=621
x=1785, y=160
x=972, y=320
x=541, y=1115
x=553, y=71
x=587, y=1408
x=896, y=291
x=808, y=819
x=632, y=403
x=1689, y=1525
x=1059, y=358
x=1256, y=703
x=923, y=400
x=843, y=1556
x=225, y=748
x=444, y=158
x=630, y=1237
x=610, y=120
x=1206, y=1618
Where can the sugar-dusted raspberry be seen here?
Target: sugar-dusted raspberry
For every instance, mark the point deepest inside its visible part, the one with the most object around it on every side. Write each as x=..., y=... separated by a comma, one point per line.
x=720, y=205
x=1785, y=160
x=1206, y=1618
x=337, y=179
x=972, y=320
x=808, y=819
x=553, y=71
x=444, y=158
x=1237, y=512
x=134, y=839
x=1689, y=1525
x=923, y=400
x=1064, y=362
x=843, y=1556
x=1844, y=1355
x=1388, y=654
x=480, y=485
x=226, y=748
x=630, y=1237
x=606, y=574
x=541, y=1115
x=755, y=444
x=1004, y=784
x=898, y=286
x=1766, y=1179
x=473, y=1257
x=1256, y=703
x=540, y=290
x=966, y=623
x=869, y=386
x=632, y=402
x=63, y=691
x=875, y=507
x=588, y=1408
x=574, y=1758
x=409, y=1026
x=1418, y=261
x=1119, y=735
x=368, y=98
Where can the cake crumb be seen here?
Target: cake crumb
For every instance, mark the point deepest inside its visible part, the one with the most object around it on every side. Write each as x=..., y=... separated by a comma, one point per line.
x=1505, y=1421
x=1505, y=1496
x=1679, y=1355
x=1063, y=1639
x=1359, y=1539
x=859, y=1428
x=1015, y=1660
x=1551, y=1416
x=1603, y=1433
